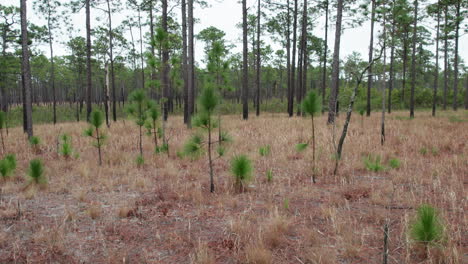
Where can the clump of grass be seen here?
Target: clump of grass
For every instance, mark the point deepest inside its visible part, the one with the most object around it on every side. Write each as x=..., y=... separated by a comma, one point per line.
x=269, y=175
x=7, y=165
x=427, y=228
x=35, y=143
x=264, y=150
x=301, y=147
x=423, y=151
x=373, y=163
x=394, y=163
x=140, y=161
x=36, y=171
x=241, y=168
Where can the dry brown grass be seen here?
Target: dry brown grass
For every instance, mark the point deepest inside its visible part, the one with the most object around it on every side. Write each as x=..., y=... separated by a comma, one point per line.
x=161, y=212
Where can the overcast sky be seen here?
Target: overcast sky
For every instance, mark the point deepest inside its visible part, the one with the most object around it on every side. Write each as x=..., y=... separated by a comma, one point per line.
x=225, y=15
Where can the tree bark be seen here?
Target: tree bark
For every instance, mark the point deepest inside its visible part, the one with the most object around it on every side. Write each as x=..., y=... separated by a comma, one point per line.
x=293, y=62
x=165, y=65
x=413, y=59
x=392, y=61
x=324, y=68
x=258, y=59
x=52, y=66
x=371, y=53
x=436, y=73
x=455, y=74
x=111, y=56
x=26, y=71
x=88, y=60
x=191, y=64
x=336, y=65
x=444, y=100
x=184, y=61
x=245, y=70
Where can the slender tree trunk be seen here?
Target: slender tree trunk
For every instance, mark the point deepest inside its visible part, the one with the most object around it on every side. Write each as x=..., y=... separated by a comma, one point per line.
x=245, y=70
x=293, y=63
x=141, y=50
x=52, y=66
x=258, y=59
x=26, y=71
x=88, y=60
x=106, y=93
x=324, y=67
x=371, y=54
x=210, y=160
x=288, y=54
x=436, y=73
x=413, y=59
x=405, y=66
x=455, y=75
x=384, y=80
x=184, y=62
x=153, y=53
x=165, y=65
x=444, y=103
x=303, y=76
x=111, y=56
x=392, y=61
x=191, y=64
x=336, y=65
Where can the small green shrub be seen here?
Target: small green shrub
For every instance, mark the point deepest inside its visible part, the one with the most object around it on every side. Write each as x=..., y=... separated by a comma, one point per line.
x=36, y=171
x=241, y=168
x=264, y=151
x=286, y=203
x=140, y=161
x=423, y=151
x=301, y=147
x=435, y=151
x=394, y=163
x=95, y=121
x=269, y=175
x=373, y=163
x=66, y=149
x=7, y=165
x=427, y=228
x=35, y=142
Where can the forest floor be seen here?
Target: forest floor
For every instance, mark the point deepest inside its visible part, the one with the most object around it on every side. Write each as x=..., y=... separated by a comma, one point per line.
x=163, y=211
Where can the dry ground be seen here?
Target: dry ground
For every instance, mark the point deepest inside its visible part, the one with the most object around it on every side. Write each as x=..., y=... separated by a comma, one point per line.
x=164, y=213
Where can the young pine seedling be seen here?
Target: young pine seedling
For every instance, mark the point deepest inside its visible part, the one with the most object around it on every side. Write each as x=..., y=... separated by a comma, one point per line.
x=427, y=228
x=152, y=123
x=208, y=101
x=7, y=166
x=35, y=143
x=94, y=131
x=66, y=149
x=137, y=109
x=36, y=172
x=241, y=168
x=310, y=105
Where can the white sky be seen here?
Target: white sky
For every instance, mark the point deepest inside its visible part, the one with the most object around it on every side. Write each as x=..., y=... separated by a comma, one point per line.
x=225, y=15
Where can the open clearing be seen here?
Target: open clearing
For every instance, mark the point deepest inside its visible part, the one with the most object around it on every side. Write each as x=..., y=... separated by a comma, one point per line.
x=163, y=212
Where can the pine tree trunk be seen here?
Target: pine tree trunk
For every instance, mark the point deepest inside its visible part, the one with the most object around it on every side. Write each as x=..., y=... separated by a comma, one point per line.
x=26, y=71
x=52, y=66
x=191, y=64
x=293, y=62
x=141, y=50
x=436, y=73
x=444, y=103
x=413, y=59
x=165, y=65
x=371, y=54
x=392, y=61
x=245, y=70
x=324, y=67
x=258, y=60
x=111, y=56
x=336, y=65
x=455, y=74
x=88, y=60
x=184, y=62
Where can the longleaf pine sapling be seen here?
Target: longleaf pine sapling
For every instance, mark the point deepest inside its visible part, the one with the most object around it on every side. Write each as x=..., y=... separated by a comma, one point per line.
x=95, y=121
x=36, y=172
x=138, y=108
x=35, y=142
x=207, y=101
x=241, y=168
x=66, y=149
x=427, y=228
x=310, y=105
x=152, y=123
x=7, y=165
